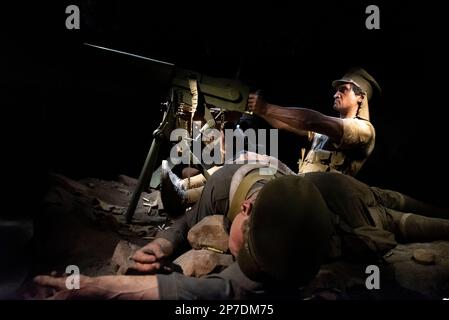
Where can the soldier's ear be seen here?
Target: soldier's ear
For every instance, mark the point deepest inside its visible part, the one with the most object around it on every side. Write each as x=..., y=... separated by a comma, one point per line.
x=247, y=207
x=360, y=98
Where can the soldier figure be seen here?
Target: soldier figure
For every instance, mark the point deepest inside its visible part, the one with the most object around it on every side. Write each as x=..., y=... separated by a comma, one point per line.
x=283, y=229
x=338, y=144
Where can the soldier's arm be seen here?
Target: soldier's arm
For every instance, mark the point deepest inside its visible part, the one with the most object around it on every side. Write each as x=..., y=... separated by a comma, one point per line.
x=176, y=235
x=276, y=123
x=229, y=284
x=296, y=120
x=103, y=287
x=304, y=120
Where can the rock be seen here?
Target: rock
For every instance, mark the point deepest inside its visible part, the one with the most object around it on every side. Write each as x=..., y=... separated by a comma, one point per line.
x=424, y=256
x=99, y=204
x=111, y=192
x=69, y=184
x=197, y=263
x=128, y=181
x=91, y=185
x=209, y=232
x=120, y=259
x=124, y=191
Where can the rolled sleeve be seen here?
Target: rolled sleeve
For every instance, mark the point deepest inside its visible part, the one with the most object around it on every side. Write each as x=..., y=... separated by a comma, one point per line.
x=177, y=233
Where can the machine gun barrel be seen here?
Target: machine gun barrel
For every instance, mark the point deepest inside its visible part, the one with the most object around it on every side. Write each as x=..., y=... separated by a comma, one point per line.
x=128, y=54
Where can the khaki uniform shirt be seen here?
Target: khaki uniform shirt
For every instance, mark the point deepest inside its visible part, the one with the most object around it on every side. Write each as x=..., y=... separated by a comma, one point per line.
x=345, y=156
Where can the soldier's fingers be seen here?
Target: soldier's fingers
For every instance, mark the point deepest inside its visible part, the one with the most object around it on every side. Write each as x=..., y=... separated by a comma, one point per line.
x=158, y=252
x=146, y=268
x=143, y=257
x=48, y=281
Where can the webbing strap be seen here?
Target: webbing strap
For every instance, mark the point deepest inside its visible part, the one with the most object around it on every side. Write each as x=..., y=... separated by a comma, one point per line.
x=242, y=190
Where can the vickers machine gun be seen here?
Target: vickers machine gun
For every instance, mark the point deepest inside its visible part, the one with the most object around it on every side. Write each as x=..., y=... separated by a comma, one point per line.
x=193, y=98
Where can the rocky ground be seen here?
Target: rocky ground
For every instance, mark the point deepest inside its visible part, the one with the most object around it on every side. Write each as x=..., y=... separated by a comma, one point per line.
x=82, y=223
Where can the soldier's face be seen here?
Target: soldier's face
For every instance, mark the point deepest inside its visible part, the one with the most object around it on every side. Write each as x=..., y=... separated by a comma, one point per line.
x=236, y=233
x=345, y=99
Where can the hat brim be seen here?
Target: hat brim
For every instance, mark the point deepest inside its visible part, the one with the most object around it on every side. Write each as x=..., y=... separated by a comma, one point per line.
x=338, y=82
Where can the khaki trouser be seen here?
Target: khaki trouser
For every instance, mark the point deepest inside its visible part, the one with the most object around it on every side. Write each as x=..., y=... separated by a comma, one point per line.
x=409, y=219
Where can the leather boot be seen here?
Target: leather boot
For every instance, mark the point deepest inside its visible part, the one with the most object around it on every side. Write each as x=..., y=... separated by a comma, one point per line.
x=173, y=194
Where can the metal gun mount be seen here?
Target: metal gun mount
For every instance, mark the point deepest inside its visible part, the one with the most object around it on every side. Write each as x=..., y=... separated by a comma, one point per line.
x=223, y=94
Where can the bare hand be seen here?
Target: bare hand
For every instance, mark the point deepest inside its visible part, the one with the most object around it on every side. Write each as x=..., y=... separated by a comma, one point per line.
x=257, y=104
x=56, y=288
x=148, y=258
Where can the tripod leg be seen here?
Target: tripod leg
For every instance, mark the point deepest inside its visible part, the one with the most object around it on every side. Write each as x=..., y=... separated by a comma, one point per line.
x=144, y=177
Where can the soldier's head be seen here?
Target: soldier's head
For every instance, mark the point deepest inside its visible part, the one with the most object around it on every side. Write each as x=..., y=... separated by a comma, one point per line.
x=353, y=91
x=348, y=98
x=285, y=234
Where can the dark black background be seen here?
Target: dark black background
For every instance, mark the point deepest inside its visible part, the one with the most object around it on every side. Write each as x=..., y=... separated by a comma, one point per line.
x=73, y=110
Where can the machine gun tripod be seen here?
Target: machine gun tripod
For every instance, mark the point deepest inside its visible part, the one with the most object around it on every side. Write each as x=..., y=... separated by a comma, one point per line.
x=187, y=88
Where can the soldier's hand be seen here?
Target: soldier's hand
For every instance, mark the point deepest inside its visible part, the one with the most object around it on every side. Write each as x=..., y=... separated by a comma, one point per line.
x=257, y=104
x=148, y=258
x=57, y=287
